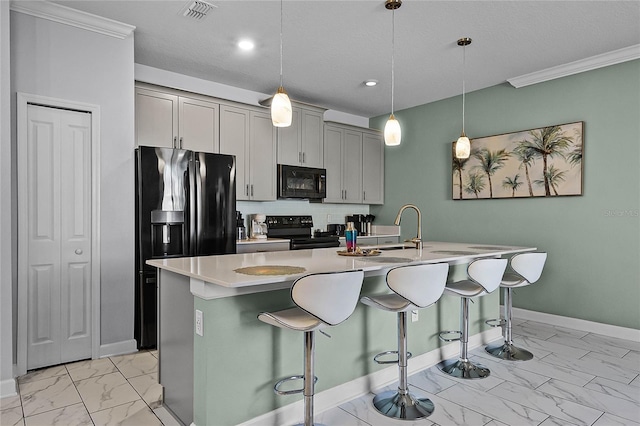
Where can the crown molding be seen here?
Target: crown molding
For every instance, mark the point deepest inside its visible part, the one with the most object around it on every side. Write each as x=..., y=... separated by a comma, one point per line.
x=594, y=62
x=68, y=16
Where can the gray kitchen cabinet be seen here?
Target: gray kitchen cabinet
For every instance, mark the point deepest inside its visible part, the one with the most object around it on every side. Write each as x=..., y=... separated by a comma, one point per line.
x=260, y=247
x=372, y=167
x=249, y=135
x=301, y=144
x=343, y=162
x=169, y=120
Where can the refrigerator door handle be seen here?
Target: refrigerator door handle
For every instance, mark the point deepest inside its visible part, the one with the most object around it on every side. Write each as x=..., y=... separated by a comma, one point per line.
x=193, y=199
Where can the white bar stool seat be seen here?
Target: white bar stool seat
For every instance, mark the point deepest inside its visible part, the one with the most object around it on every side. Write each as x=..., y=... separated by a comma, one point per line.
x=527, y=268
x=485, y=276
x=414, y=286
x=323, y=300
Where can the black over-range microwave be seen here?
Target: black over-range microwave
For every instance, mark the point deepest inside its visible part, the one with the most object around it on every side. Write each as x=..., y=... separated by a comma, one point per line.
x=301, y=182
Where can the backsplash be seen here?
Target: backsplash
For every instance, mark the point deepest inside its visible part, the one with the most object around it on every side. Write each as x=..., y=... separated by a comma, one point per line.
x=321, y=213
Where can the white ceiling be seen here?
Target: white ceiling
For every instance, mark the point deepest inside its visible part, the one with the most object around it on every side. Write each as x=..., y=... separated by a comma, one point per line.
x=331, y=47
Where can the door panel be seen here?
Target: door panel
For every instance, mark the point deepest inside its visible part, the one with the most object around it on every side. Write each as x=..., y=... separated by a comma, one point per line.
x=198, y=125
x=59, y=238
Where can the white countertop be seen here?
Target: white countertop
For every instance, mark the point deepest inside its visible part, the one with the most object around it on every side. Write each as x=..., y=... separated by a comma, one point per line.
x=262, y=240
x=220, y=270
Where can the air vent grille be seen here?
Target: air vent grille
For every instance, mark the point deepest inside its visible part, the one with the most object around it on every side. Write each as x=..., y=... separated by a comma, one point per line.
x=196, y=10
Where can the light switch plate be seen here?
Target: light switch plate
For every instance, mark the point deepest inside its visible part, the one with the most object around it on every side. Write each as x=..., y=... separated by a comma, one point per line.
x=414, y=315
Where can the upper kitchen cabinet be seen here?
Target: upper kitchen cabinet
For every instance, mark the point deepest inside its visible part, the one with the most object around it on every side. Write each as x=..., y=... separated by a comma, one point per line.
x=343, y=160
x=248, y=134
x=301, y=144
x=165, y=118
x=354, y=159
x=372, y=167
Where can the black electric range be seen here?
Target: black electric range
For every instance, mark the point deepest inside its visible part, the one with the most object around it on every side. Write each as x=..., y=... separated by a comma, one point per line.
x=298, y=230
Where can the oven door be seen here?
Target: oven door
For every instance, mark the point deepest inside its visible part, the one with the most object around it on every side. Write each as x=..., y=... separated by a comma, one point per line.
x=301, y=182
x=311, y=243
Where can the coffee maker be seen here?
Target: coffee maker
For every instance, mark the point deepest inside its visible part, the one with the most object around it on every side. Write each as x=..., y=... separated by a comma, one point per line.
x=358, y=223
x=258, y=226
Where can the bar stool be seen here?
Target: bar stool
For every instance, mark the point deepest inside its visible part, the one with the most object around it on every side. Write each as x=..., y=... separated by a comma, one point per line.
x=527, y=269
x=484, y=278
x=414, y=287
x=323, y=300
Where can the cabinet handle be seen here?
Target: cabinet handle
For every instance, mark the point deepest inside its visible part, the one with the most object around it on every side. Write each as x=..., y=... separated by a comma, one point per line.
x=175, y=141
x=252, y=190
x=303, y=159
x=180, y=146
x=299, y=157
x=364, y=195
x=247, y=190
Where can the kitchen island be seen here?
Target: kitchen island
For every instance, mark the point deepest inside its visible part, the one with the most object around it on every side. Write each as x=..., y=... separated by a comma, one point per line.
x=232, y=367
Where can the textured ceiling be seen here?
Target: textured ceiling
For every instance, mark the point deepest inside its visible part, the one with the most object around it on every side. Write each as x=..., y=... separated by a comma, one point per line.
x=331, y=47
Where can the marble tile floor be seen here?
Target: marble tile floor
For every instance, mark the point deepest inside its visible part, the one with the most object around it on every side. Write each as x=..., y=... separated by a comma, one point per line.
x=575, y=378
x=116, y=390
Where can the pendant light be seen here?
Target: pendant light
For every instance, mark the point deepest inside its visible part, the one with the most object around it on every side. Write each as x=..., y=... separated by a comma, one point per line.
x=463, y=145
x=392, y=131
x=281, y=104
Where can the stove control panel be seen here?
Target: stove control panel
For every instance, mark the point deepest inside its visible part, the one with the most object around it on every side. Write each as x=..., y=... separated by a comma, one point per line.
x=288, y=222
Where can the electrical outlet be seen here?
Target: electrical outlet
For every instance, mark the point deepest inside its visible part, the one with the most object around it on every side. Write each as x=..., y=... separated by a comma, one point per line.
x=328, y=218
x=414, y=315
x=199, y=325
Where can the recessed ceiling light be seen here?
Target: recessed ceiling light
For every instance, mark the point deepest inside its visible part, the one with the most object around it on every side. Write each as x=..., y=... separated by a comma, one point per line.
x=246, y=45
x=370, y=83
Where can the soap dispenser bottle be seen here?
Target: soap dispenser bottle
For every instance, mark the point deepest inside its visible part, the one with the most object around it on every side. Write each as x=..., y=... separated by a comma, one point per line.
x=350, y=235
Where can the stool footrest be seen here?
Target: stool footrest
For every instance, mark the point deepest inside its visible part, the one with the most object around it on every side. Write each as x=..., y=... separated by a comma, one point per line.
x=276, y=387
x=495, y=322
x=442, y=335
x=395, y=361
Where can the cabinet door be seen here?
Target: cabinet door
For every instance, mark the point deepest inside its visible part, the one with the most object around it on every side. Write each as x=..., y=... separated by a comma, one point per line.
x=156, y=118
x=352, y=166
x=312, y=140
x=198, y=125
x=289, y=141
x=262, y=157
x=372, y=168
x=333, y=162
x=234, y=140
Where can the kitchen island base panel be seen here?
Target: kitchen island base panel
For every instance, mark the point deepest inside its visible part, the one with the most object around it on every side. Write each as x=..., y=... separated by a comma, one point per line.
x=175, y=344
x=239, y=355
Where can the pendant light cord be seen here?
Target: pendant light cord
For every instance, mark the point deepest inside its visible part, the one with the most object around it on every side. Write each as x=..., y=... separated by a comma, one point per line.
x=280, y=43
x=464, y=67
x=393, y=49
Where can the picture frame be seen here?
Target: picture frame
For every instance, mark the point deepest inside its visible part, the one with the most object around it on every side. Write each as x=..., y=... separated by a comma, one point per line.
x=541, y=162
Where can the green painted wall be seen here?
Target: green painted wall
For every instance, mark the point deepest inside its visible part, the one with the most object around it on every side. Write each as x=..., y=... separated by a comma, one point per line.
x=593, y=240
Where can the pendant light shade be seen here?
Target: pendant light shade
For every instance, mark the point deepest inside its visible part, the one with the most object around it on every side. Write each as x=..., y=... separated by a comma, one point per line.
x=463, y=144
x=463, y=147
x=281, y=109
x=281, y=113
x=392, y=131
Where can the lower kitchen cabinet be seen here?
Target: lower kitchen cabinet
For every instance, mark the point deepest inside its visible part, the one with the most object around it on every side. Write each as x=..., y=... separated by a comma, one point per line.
x=354, y=160
x=259, y=247
x=250, y=136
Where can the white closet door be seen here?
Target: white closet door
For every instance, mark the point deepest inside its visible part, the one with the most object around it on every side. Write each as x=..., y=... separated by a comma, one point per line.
x=59, y=237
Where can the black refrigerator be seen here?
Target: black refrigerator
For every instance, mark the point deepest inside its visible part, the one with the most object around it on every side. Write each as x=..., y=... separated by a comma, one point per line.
x=185, y=206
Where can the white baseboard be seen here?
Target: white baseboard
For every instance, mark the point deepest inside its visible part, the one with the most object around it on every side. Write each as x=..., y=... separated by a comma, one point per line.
x=340, y=394
x=118, y=348
x=8, y=388
x=578, y=324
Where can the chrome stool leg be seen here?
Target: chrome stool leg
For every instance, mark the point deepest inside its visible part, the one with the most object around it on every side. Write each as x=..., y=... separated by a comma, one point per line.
x=309, y=376
x=507, y=350
x=462, y=368
x=401, y=404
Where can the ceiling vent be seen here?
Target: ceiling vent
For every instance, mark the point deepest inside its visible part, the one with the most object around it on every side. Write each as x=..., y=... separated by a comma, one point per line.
x=196, y=10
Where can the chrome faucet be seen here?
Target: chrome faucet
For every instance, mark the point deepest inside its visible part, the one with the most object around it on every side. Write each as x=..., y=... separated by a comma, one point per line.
x=418, y=239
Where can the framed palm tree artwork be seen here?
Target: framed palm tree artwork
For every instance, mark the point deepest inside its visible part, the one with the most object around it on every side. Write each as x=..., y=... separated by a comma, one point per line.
x=543, y=162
